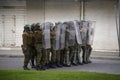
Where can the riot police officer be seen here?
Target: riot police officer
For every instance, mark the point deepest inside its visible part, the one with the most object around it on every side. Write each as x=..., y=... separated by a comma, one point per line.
x=27, y=41
x=33, y=50
x=38, y=46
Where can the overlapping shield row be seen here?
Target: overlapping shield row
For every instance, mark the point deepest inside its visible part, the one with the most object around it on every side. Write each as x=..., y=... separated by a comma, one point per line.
x=81, y=31
x=74, y=35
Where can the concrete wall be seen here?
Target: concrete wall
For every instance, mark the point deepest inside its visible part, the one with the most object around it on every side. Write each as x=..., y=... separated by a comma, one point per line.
x=53, y=11
x=102, y=12
x=35, y=11
x=62, y=11
x=12, y=20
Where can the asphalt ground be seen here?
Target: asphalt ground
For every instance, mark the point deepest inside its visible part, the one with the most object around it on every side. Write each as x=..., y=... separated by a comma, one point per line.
x=94, y=55
x=97, y=65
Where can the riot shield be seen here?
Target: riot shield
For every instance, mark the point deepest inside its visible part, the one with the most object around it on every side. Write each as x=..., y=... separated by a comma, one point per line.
x=91, y=30
x=46, y=25
x=46, y=38
x=71, y=40
x=56, y=45
x=84, y=31
x=62, y=36
x=78, y=34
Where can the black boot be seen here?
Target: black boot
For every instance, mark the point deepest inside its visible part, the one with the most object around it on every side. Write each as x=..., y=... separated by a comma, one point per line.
x=74, y=64
x=33, y=66
x=25, y=68
x=38, y=68
x=80, y=63
x=43, y=67
x=53, y=65
x=89, y=61
x=67, y=65
x=85, y=62
x=59, y=65
x=47, y=66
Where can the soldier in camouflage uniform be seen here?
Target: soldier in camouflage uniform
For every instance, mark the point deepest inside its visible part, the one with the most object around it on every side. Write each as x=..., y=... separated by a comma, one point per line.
x=71, y=41
x=61, y=52
x=84, y=31
x=46, y=44
x=90, y=35
x=53, y=52
x=86, y=47
x=27, y=41
x=77, y=47
x=33, y=50
x=66, y=49
x=57, y=30
x=38, y=46
x=89, y=50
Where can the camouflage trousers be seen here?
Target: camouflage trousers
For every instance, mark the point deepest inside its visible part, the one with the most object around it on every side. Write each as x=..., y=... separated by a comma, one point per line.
x=27, y=53
x=71, y=54
x=33, y=55
x=88, y=52
x=58, y=56
x=66, y=56
x=76, y=54
x=46, y=56
x=53, y=56
x=84, y=56
x=62, y=54
x=38, y=48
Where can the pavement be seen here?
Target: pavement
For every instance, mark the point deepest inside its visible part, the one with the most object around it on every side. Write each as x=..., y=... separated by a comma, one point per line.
x=17, y=52
x=102, y=62
x=97, y=65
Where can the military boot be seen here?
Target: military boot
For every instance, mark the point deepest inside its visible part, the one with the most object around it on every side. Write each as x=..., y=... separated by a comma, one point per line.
x=25, y=68
x=58, y=65
x=52, y=65
x=38, y=68
x=43, y=67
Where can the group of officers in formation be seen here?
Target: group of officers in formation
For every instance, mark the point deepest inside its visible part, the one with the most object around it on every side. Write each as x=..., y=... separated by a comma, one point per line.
x=47, y=45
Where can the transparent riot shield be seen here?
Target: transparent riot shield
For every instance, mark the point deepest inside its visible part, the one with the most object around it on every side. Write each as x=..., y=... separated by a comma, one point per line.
x=71, y=39
x=46, y=25
x=91, y=30
x=84, y=31
x=46, y=39
x=62, y=36
x=78, y=34
x=57, y=37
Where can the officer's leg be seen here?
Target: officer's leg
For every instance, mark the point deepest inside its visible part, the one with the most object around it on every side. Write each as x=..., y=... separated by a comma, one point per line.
x=89, y=53
x=62, y=55
x=44, y=58
x=74, y=55
x=84, y=54
x=53, y=59
x=33, y=55
x=58, y=57
x=67, y=63
x=78, y=58
x=26, y=59
x=48, y=58
x=68, y=57
x=38, y=57
x=71, y=54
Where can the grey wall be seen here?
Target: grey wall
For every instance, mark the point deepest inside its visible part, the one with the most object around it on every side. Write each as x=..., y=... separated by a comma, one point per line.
x=62, y=11
x=102, y=12
x=12, y=20
x=35, y=11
